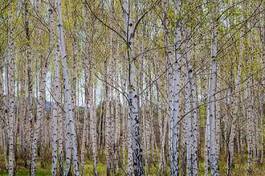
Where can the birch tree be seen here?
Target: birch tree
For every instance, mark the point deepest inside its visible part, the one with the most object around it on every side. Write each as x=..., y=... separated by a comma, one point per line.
x=174, y=87
x=40, y=104
x=55, y=89
x=211, y=158
x=68, y=106
x=11, y=118
x=135, y=164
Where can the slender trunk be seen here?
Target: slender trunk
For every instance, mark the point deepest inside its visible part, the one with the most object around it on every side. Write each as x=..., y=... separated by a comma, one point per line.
x=109, y=117
x=11, y=94
x=135, y=163
x=191, y=116
x=87, y=73
x=68, y=107
x=83, y=142
x=211, y=158
x=93, y=126
x=40, y=112
x=28, y=130
x=174, y=89
x=236, y=112
x=55, y=113
x=40, y=115
x=56, y=89
x=61, y=119
x=110, y=102
x=162, y=128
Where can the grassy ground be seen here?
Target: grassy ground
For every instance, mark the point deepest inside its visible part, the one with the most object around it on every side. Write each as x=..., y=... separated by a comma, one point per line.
x=238, y=170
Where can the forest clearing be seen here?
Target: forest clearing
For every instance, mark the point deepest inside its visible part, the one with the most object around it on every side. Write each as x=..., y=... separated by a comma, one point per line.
x=132, y=87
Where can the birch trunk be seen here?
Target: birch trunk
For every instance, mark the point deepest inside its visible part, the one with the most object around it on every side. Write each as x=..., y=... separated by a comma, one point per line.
x=191, y=116
x=3, y=108
x=162, y=133
x=56, y=89
x=40, y=106
x=93, y=126
x=87, y=73
x=83, y=142
x=29, y=117
x=40, y=115
x=109, y=120
x=61, y=128
x=236, y=113
x=11, y=119
x=55, y=113
x=40, y=112
x=211, y=158
x=174, y=89
x=110, y=102
x=68, y=107
x=262, y=98
x=135, y=163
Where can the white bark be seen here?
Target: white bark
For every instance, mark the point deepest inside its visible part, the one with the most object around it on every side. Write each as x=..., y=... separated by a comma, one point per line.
x=55, y=114
x=40, y=106
x=40, y=113
x=28, y=121
x=11, y=94
x=88, y=97
x=68, y=107
x=60, y=130
x=128, y=29
x=56, y=90
x=110, y=102
x=192, y=118
x=93, y=128
x=135, y=164
x=109, y=120
x=211, y=158
x=174, y=97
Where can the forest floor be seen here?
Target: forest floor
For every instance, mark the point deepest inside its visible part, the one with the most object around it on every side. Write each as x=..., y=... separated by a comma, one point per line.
x=238, y=170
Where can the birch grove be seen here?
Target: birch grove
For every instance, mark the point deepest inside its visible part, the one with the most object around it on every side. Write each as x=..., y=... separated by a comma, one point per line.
x=151, y=87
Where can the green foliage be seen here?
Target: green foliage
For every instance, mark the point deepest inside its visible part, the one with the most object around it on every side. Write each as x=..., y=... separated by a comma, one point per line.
x=202, y=115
